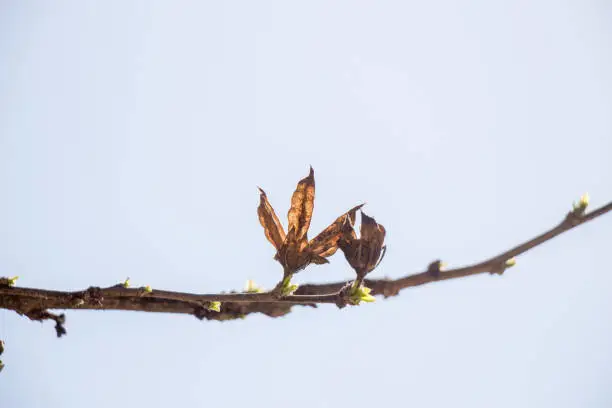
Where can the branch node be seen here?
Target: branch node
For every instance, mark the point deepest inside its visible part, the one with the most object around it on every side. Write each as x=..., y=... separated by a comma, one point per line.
x=200, y=312
x=343, y=297
x=353, y=293
x=573, y=218
x=385, y=286
x=93, y=296
x=435, y=268
x=500, y=268
x=6, y=282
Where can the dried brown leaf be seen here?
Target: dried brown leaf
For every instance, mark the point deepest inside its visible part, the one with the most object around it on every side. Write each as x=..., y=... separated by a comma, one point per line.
x=293, y=254
x=364, y=254
x=269, y=221
x=318, y=259
x=302, y=206
x=372, y=231
x=326, y=243
x=293, y=251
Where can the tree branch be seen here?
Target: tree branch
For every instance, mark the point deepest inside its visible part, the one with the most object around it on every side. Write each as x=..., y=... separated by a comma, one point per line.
x=35, y=303
x=494, y=265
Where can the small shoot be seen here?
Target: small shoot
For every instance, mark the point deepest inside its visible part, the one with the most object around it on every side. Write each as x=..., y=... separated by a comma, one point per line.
x=214, y=306
x=360, y=294
x=510, y=262
x=435, y=268
x=10, y=282
x=286, y=288
x=252, y=287
x=580, y=207
x=144, y=290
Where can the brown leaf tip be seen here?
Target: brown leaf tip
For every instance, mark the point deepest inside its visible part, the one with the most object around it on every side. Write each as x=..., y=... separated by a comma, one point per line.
x=358, y=207
x=263, y=197
x=310, y=178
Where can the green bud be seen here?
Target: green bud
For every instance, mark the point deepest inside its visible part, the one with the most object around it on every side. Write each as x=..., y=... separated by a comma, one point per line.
x=214, y=306
x=252, y=287
x=287, y=288
x=580, y=207
x=361, y=294
x=368, y=298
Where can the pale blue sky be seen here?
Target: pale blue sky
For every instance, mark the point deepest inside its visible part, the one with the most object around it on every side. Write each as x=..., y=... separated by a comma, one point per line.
x=133, y=134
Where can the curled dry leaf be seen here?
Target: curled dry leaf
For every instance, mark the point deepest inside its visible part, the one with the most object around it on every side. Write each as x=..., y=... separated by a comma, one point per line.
x=366, y=252
x=268, y=219
x=326, y=243
x=293, y=250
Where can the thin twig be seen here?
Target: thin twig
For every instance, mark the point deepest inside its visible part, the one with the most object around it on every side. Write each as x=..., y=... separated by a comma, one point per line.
x=494, y=265
x=35, y=303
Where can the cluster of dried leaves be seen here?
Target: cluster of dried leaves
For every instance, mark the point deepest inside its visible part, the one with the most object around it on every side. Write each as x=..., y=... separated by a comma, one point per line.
x=295, y=252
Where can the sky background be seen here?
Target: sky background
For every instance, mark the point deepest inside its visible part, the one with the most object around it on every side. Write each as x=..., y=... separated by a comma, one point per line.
x=133, y=135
